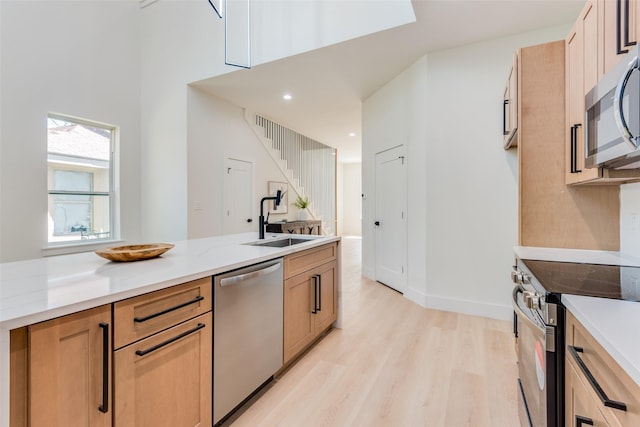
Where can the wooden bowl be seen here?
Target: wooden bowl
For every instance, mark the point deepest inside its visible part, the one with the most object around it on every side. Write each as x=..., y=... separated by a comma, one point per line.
x=134, y=252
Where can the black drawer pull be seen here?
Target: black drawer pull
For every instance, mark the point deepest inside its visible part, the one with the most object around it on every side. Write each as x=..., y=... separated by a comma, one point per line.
x=505, y=132
x=583, y=420
x=168, y=310
x=104, y=407
x=169, y=341
x=596, y=387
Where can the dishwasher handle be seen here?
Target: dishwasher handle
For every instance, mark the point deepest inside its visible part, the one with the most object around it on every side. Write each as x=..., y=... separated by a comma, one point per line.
x=228, y=281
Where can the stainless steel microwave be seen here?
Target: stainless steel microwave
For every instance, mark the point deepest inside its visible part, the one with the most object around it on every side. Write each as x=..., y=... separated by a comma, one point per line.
x=612, y=119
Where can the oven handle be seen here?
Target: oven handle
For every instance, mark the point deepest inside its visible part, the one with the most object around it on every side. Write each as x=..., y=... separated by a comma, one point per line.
x=521, y=314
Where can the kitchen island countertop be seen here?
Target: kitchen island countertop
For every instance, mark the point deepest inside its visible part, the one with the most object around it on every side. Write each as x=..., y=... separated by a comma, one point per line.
x=40, y=289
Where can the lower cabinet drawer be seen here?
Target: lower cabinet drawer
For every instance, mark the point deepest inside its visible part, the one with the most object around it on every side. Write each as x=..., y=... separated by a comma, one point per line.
x=165, y=380
x=300, y=262
x=580, y=410
x=140, y=317
x=584, y=353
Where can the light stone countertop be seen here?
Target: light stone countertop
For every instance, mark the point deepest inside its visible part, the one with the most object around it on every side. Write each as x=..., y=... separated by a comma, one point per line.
x=40, y=289
x=615, y=324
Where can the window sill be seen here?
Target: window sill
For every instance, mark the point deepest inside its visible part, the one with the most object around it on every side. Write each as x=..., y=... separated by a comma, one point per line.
x=74, y=248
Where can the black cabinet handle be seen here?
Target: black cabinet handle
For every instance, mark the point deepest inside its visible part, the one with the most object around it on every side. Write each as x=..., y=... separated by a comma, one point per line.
x=627, y=43
x=104, y=408
x=250, y=220
x=583, y=420
x=315, y=294
x=504, y=117
x=169, y=341
x=376, y=223
x=168, y=310
x=596, y=387
x=619, y=49
x=574, y=148
x=319, y=293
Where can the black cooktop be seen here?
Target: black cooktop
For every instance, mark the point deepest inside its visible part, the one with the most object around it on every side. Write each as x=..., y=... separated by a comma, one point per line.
x=605, y=281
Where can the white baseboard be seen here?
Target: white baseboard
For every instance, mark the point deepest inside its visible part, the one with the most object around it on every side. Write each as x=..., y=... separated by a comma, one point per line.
x=493, y=311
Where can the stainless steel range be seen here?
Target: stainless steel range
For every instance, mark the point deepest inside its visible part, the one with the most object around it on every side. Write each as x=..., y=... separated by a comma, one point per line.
x=539, y=327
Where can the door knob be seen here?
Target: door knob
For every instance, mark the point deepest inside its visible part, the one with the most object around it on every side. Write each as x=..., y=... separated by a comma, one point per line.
x=250, y=220
x=377, y=223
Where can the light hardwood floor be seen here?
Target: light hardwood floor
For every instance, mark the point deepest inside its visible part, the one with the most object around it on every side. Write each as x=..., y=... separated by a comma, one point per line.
x=395, y=363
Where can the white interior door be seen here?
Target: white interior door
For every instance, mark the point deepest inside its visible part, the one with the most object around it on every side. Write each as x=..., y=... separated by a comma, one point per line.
x=391, y=218
x=238, y=197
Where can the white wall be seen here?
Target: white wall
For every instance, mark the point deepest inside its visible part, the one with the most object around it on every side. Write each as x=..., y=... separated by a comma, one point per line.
x=217, y=129
x=349, y=199
x=69, y=57
x=630, y=219
x=182, y=42
x=462, y=185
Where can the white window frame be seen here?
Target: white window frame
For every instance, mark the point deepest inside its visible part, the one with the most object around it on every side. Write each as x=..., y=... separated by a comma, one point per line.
x=64, y=247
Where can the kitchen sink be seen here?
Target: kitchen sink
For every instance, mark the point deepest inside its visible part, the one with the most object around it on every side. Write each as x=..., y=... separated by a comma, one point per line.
x=280, y=243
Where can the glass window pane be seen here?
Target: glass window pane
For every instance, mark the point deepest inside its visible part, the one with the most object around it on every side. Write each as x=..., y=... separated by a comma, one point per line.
x=73, y=218
x=79, y=159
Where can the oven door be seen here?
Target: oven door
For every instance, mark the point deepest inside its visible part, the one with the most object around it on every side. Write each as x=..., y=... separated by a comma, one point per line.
x=536, y=365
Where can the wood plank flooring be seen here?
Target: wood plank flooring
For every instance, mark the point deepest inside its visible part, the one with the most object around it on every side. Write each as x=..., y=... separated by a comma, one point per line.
x=395, y=363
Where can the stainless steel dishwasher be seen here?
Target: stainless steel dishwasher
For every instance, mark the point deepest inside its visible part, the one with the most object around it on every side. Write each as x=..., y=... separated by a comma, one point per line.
x=247, y=340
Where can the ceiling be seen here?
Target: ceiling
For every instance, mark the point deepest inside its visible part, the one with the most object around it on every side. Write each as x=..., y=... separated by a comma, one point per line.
x=328, y=85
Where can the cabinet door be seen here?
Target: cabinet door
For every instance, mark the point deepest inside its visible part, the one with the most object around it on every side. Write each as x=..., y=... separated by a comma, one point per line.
x=617, y=23
x=165, y=380
x=69, y=376
x=327, y=297
x=580, y=410
x=510, y=107
x=581, y=76
x=299, y=329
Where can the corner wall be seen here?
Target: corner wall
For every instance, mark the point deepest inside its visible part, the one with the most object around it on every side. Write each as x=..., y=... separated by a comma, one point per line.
x=350, y=199
x=462, y=185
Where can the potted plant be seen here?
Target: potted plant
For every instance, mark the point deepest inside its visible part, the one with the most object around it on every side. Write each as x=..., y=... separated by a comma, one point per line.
x=302, y=203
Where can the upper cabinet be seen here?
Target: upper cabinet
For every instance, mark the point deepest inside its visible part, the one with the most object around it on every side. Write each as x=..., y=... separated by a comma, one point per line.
x=618, y=23
x=595, y=44
x=510, y=107
x=581, y=74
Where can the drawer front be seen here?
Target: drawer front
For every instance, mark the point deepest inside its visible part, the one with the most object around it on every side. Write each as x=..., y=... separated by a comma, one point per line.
x=165, y=380
x=580, y=408
x=606, y=372
x=142, y=316
x=300, y=262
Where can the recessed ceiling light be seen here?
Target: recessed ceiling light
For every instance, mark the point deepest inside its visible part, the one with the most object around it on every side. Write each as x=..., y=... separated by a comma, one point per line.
x=287, y=97
x=352, y=134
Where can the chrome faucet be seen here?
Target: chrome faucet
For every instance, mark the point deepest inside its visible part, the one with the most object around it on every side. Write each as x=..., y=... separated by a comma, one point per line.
x=277, y=198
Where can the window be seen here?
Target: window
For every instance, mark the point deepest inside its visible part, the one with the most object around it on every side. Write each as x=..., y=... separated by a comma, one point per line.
x=80, y=180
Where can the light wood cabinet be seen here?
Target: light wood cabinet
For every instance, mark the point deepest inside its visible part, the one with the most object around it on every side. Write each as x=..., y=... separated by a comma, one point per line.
x=580, y=409
x=618, y=31
x=165, y=379
x=581, y=75
x=310, y=298
x=142, y=316
x=163, y=362
x=70, y=370
x=552, y=214
x=597, y=388
x=510, y=107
